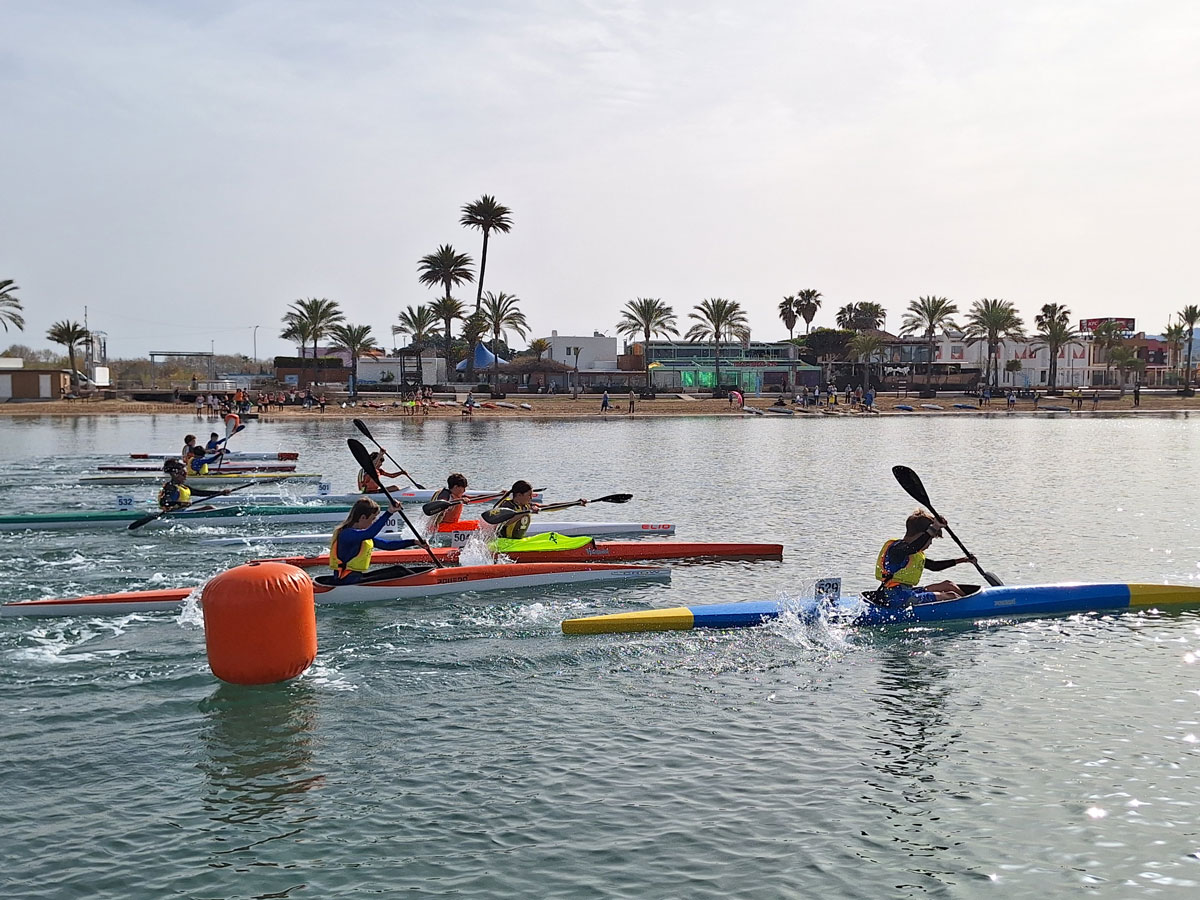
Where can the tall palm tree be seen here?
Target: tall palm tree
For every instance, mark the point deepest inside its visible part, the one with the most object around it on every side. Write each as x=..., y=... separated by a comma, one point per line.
x=790, y=316
x=449, y=268
x=355, y=340
x=716, y=318
x=865, y=347
x=10, y=306
x=1054, y=332
x=420, y=322
x=861, y=316
x=647, y=316
x=447, y=309
x=474, y=327
x=313, y=318
x=928, y=314
x=993, y=321
x=69, y=334
x=485, y=215
x=808, y=301
x=1174, y=336
x=501, y=313
x=1108, y=336
x=1189, y=315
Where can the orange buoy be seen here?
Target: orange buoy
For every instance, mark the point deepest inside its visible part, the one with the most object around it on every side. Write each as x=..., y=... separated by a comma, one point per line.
x=260, y=623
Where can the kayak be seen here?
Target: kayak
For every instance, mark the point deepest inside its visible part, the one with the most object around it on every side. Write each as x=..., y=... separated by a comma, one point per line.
x=230, y=468
x=618, y=551
x=211, y=480
x=229, y=454
x=780, y=410
x=429, y=582
x=592, y=529
x=404, y=496
x=985, y=603
x=203, y=514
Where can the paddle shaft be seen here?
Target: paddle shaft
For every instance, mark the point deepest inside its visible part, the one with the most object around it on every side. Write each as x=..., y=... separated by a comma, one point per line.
x=366, y=432
x=911, y=482
x=368, y=466
x=146, y=520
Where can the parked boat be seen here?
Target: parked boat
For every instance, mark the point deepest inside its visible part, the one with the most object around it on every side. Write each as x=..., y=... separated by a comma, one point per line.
x=607, y=551
x=985, y=603
x=205, y=481
x=426, y=582
x=235, y=455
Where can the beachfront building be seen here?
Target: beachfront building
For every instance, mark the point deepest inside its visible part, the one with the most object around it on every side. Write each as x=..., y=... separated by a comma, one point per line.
x=752, y=367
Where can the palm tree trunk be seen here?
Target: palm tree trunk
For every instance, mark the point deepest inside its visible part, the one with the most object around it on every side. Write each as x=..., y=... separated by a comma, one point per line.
x=482, y=267
x=646, y=357
x=929, y=364
x=1187, y=373
x=717, y=362
x=74, y=376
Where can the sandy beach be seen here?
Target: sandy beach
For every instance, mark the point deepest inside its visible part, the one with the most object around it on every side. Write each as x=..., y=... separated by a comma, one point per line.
x=588, y=406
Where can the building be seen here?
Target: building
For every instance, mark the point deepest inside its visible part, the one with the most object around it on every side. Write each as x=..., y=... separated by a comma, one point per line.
x=33, y=384
x=749, y=366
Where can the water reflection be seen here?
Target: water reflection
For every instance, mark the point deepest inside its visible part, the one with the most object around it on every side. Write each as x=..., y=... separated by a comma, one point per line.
x=258, y=750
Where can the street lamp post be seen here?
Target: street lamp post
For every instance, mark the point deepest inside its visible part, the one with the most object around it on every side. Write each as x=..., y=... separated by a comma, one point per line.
x=254, y=337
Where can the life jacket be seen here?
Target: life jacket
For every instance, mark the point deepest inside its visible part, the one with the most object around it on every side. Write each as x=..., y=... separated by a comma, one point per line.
x=360, y=563
x=368, y=485
x=910, y=574
x=451, y=515
x=173, y=495
x=514, y=527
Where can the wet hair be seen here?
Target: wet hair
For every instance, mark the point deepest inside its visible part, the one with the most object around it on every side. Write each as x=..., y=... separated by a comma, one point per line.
x=364, y=507
x=189, y=439
x=521, y=486
x=918, y=522
x=456, y=480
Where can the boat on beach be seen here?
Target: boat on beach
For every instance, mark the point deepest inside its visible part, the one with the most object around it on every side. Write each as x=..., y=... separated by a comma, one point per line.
x=423, y=582
x=1002, y=602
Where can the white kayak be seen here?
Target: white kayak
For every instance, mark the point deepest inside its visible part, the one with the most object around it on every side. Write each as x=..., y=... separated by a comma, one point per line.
x=282, y=455
x=211, y=480
x=424, y=582
x=410, y=496
x=591, y=529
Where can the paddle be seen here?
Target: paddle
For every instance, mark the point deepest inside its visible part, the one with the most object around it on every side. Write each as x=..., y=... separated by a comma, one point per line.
x=366, y=432
x=363, y=456
x=911, y=482
x=145, y=520
x=433, y=507
x=495, y=517
x=225, y=440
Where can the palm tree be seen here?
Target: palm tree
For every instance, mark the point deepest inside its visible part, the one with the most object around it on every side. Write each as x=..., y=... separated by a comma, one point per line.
x=928, y=314
x=647, y=316
x=993, y=321
x=1126, y=360
x=312, y=318
x=486, y=215
x=69, y=334
x=449, y=268
x=10, y=306
x=447, y=309
x=716, y=318
x=420, y=322
x=864, y=347
x=1173, y=336
x=355, y=340
x=808, y=301
x=500, y=313
x=790, y=316
x=1189, y=315
x=861, y=316
x=1054, y=332
x=539, y=346
x=1108, y=336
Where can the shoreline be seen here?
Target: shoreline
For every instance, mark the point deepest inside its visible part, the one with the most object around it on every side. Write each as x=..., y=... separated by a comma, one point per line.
x=588, y=407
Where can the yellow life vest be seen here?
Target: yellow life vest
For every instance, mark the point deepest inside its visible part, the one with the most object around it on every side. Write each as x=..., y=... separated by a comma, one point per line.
x=360, y=563
x=909, y=575
x=203, y=470
x=516, y=526
x=183, y=495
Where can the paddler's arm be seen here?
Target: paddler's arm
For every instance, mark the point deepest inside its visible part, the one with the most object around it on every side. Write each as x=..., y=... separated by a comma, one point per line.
x=399, y=544
x=936, y=565
x=201, y=492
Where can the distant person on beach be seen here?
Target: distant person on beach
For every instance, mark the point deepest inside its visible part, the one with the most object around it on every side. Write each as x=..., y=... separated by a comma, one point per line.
x=632, y=401
x=1095, y=400
x=1137, y=393
x=901, y=563
x=604, y=404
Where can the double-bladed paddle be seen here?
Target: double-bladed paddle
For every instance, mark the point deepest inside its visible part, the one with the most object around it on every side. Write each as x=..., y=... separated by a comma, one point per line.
x=366, y=432
x=433, y=507
x=146, y=520
x=225, y=441
x=493, y=516
x=911, y=482
x=363, y=456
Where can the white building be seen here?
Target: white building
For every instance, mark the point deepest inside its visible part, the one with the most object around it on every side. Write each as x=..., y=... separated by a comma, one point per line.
x=587, y=354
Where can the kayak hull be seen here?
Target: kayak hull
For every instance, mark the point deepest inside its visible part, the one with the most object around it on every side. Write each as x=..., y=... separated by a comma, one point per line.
x=430, y=583
x=409, y=495
x=594, y=529
x=223, y=516
x=237, y=468
x=229, y=454
x=987, y=603
x=599, y=551
x=204, y=481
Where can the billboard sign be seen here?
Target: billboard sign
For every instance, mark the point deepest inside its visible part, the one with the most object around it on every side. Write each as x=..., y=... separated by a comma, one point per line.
x=1087, y=326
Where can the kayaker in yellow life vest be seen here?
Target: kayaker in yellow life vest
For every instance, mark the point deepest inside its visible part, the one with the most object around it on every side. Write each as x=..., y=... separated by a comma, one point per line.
x=198, y=464
x=901, y=563
x=176, y=494
x=357, y=537
x=520, y=498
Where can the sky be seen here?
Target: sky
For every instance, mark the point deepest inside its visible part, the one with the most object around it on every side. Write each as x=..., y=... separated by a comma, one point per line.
x=186, y=170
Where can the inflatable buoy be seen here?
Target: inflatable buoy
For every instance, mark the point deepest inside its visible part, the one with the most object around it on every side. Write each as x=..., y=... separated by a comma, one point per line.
x=260, y=623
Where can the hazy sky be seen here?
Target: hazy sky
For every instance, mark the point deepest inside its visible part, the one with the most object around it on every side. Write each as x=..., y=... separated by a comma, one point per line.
x=185, y=170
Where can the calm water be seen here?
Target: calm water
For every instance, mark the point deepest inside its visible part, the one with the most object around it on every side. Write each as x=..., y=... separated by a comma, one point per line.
x=465, y=747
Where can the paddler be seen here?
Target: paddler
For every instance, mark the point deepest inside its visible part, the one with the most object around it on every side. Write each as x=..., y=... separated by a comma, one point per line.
x=369, y=485
x=356, y=538
x=454, y=492
x=189, y=441
x=198, y=464
x=902, y=562
x=176, y=494
x=214, y=443
x=520, y=499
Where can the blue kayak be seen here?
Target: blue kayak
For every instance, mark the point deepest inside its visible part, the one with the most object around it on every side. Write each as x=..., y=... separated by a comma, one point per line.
x=986, y=603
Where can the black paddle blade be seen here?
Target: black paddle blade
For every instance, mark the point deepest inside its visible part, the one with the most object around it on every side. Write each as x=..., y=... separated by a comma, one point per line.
x=992, y=579
x=613, y=498
x=362, y=456
x=145, y=520
x=433, y=507
x=911, y=482
x=362, y=426
x=500, y=516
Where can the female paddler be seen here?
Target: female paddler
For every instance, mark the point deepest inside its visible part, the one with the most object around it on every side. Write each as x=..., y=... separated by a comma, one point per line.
x=356, y=538
x=901, y=563
x=176, y=494
x=369, y=485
